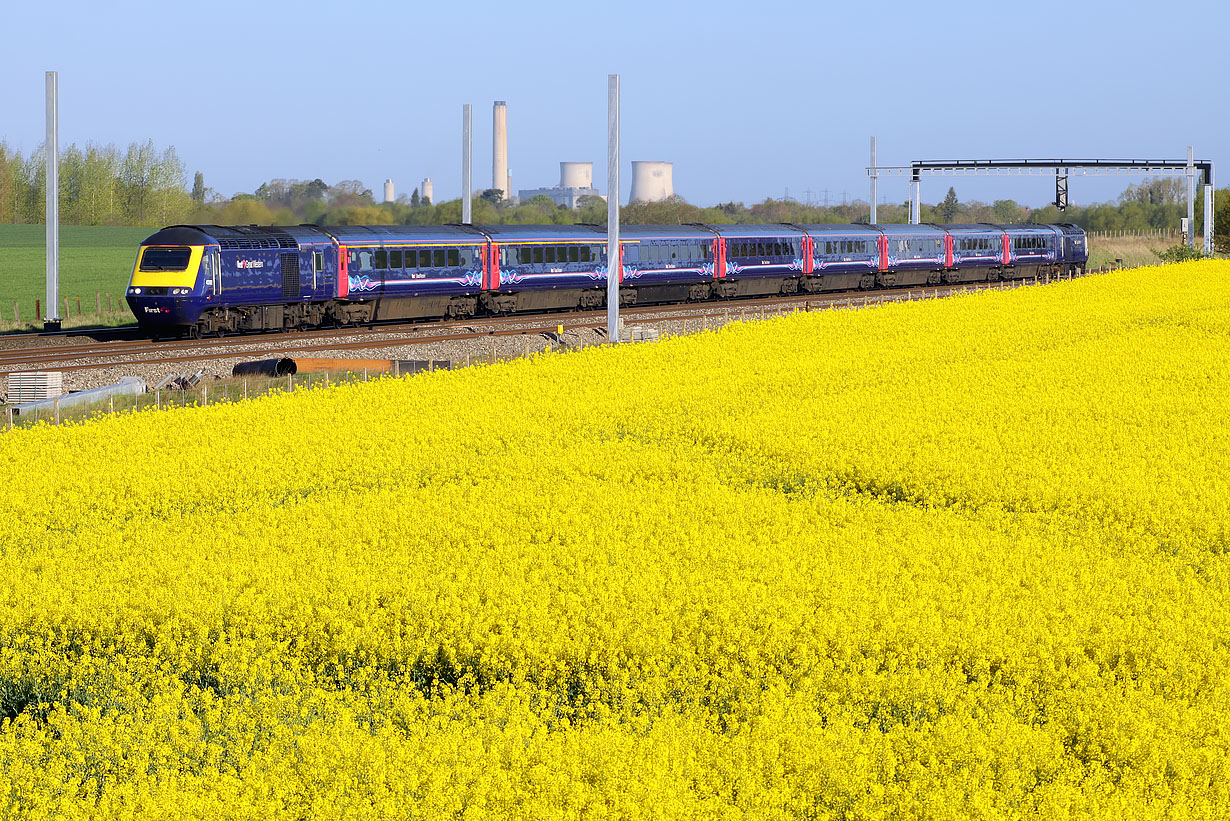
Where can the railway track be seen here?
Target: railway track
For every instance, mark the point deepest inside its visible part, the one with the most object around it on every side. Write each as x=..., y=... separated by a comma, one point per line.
x=68, y=356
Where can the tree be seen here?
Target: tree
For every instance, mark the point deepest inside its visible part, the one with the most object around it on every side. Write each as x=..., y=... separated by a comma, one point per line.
x=949, y=207
x=415, y=202
x=495, y=196
x=1006, y=211
x=198, y=188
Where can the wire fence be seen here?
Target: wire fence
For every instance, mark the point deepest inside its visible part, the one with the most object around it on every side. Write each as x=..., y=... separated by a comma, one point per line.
x=103, y=308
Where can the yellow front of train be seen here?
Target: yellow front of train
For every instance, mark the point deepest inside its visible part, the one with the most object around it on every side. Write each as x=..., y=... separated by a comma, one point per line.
x=168, y=289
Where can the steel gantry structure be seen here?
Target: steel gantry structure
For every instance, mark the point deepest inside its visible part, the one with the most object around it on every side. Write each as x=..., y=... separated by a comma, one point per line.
x=1060, y=169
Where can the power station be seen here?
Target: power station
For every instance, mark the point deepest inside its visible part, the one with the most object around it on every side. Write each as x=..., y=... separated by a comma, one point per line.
x=499, y=149
x=651, y=181
x=576, y=180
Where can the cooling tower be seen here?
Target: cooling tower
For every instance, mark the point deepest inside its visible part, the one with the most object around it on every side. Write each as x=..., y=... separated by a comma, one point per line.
x=388, y=191
x=576, y=175
x=428, y=192
x=499, y=148
x=652, y=181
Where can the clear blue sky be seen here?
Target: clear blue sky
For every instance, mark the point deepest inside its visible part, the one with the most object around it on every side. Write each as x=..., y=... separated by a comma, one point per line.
x=747, y=99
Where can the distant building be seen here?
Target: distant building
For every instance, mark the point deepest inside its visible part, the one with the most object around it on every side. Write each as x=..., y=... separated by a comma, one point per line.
x=652, y=181
x=428, y=191
x=576, y=180
x=388, y=191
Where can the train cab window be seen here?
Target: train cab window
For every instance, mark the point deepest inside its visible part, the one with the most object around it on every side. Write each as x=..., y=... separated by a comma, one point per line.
x=395, y=258
x=574, y=253
x=165, y=259
x=585, y=254
x=318, y=262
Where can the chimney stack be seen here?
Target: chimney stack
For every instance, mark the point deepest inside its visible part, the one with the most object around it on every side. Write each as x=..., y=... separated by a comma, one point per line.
x=499, y=152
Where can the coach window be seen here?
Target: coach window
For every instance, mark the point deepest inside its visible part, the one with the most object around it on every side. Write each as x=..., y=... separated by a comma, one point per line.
x=585, y=255
x=465, y=256
x=437, y=257
x=453, y=258
x=536, y=255
x=395, y=258
x=412, y=258
x=632, y=253
x=574, y=253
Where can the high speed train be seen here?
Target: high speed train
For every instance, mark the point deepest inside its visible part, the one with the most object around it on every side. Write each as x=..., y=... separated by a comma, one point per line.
x=199, y=280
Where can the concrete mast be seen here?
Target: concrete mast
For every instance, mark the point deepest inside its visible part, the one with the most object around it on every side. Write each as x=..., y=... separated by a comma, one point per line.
x=467, y=216
x=1208, y=213
x=874, y=175
x=612, y=208
x=1191, y=197
x=51, y=321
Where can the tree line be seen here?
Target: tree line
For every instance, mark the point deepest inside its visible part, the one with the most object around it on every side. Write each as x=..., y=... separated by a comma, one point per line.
x=102, y=185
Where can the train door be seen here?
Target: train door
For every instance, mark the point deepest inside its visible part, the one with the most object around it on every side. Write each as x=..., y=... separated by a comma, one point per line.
x=211, y=267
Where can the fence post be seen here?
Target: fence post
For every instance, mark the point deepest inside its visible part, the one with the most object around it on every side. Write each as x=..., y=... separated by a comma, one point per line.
x=38, y=309
x=66, y=312
x=245, y=389
x=98, y=303
x=57, y=407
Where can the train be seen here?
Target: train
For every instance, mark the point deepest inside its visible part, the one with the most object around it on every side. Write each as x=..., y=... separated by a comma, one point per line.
x=212, y=280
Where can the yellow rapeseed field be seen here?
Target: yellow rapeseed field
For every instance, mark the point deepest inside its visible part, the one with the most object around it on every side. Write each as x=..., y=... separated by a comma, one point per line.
x=963, y=558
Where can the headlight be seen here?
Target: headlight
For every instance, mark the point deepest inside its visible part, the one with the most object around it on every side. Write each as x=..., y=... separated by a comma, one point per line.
x=134, y=290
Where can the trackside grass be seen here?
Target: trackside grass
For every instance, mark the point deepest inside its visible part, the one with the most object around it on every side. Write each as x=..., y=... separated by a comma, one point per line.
x=94, y=260
x=947, y=559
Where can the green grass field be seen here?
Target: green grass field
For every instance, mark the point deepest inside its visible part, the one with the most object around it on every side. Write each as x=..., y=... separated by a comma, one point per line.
x=93, y=260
